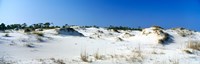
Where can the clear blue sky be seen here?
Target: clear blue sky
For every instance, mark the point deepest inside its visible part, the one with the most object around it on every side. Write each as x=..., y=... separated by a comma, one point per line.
x=132, y=13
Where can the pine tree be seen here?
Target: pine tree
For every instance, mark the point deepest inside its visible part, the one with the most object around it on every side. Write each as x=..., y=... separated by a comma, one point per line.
x=24, y=25
x=2, y=26
x=46, y=25
x=9, y=27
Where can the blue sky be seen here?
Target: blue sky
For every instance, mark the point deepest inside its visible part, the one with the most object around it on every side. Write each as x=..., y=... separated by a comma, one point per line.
x=132, y=13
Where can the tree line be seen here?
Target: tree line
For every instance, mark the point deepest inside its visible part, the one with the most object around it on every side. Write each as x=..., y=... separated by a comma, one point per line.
x=46, y=25
x=49, y=25
x=123, y=28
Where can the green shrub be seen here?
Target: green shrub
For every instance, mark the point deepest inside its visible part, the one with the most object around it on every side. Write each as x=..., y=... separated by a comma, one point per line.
x=28, y=30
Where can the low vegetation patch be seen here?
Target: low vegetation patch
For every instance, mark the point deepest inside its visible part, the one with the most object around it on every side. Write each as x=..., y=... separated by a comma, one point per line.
x=30, y=45
x=39, y=34
x=57, y=61
x=183, y=32
x=7, y=35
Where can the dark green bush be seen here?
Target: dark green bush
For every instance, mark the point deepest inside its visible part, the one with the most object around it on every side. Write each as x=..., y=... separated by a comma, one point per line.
x=28, y=30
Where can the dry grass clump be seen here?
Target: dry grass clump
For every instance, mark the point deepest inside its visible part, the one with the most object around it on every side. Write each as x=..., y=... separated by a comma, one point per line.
x=84, y=57
x=90, y=58
x=97, y=56
x=193, y=45
x=136, y=55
